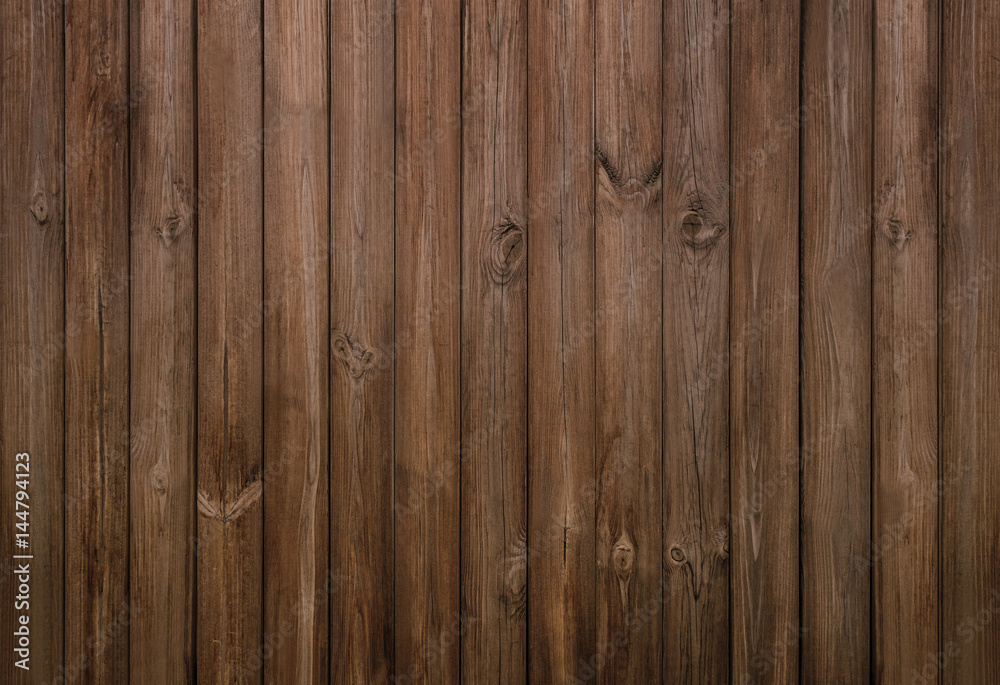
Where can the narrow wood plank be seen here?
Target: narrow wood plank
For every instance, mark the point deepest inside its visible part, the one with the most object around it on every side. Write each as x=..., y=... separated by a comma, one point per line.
x=296, y=342
x=494, y=343
x=428, y=298
x=361, y=391
x=162, y=342
x=31, y=330
x=764, y=291
x=97, y=342
x=836, y=340
x=968, y=301
x=695, y=341
x=628, y=345
x=561, y=384
x=904, y=354
x=230, y=338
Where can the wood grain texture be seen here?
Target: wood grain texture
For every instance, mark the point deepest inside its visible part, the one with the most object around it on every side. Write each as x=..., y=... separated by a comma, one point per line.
x=97, y=342
x=230, y=338
x=764, y=407
x=628, y=346
x=362, y=388
x=561, y=384
x=32, y=327
x=695, y=341
x=836, y=341
x=429, y=625
x=297, y=580
x=904, y=351
x=969, y=319
x=494, y=342
x=162, y=342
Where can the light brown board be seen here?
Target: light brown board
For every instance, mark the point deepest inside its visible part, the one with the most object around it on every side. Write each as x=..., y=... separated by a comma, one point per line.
x=429, y=625
x=561, y=384
x=162, y=342
x=361, y=372
x=904, y=351
x=297, y=582
x=764, y=344
x=836, y=340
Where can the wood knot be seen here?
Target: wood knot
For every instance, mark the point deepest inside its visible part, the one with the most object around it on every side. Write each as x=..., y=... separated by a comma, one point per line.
x=170, y=230
x=515, y=591
x=504, y=255
x=355, y=355
x=623, y=556
x=698, y=234
x=40, y=208
x=158, y=479
x=897, y=234
x=642, y=190
x=677, y=554
x=722, y=541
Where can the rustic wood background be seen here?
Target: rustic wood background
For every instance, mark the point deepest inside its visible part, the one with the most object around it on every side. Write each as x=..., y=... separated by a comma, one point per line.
x=502, y=341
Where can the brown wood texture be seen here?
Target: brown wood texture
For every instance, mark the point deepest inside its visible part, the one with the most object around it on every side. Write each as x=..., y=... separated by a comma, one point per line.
x=764, y=341
x=500, y=341
x=968, y=147
x=835, y=348
x=162, y=345
x=696, y=261
x=362, y=154
x=97, y=341
x=905, y=476
x=296, y=289
x=494, y=343
x=230, y=338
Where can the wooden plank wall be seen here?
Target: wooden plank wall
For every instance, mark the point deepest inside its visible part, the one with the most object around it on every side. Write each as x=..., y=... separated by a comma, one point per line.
x=523, y=341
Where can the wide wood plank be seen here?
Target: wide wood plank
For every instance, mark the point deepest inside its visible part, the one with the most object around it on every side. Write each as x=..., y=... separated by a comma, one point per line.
x=230, y=338
x=695, y=341
x=297, y=581
x=904, y=350
x=836, y=340
x=969, y=315
x=429, y=624
x=31, y=334
x=494, y=343
x=628, y=346
x=764, y=406
x=361, y=391
x=561, y=383
x=97, y=342
x=162, y=342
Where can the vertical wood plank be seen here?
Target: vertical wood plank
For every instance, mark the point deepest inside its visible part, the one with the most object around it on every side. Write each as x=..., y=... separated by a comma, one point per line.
x=629, y=303
x=31, y=328
x=427, y=320
x=494, y=344
x=97, y=342
x=230, y=338
x=695, y=341
x=968, y=301
x=162, y=343
x=836, y=341
x=904, y=363
x=296, y=341
x=764, y=341
x=361, y=481
x=561, y=383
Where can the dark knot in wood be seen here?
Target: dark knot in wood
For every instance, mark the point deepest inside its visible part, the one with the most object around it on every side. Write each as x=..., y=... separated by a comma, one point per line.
x=505, y=254
x=698, y=234
x=170, y=229
x=40, y=208
x=355, y=355
x=897, y=233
